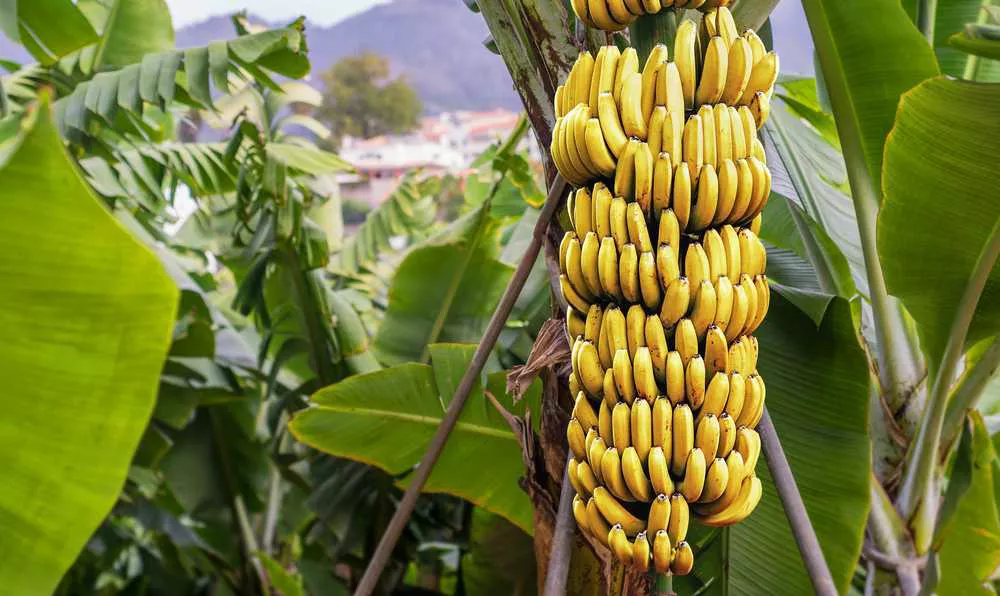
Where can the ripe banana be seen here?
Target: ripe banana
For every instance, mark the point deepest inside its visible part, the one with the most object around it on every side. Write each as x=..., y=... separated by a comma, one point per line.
x=611, y=124
x=686, y=340
x=620, y=546
x=580, y=513
x=590, y=264
x=659, y=513
x=694, y=381
x=675, y=377
x=716, y=395
x=655, y=137
x=604, y=427
x=703, y=313
x=693, y=146
x=635, y=477
x=680, y=518
x=683, y=438
x=597, y=149
x=740, y=64
x=676, y=299
x=638, y=233
x=625, y=172
x=716, y=352
x=713, y=74
x=575, y=324
x=613, y=476
x=696, y=265
x=628, y=273
x=607, y=268
x=635, y=329
x=596, y=523
x=643, y=179
x=589, y=369
x=694, y=476
x=645, y=378
x=663, y=183
x=707, y=116
x=656, y=341
x=727, y=434
x=641, y=550
x=669, y=231
x=707, y=436
x=624, y=379
x=618, y=215
x=723, y=301
x=584, y=413
x=662, y=552
x=621, y=427
x=683, y=560
x=633, y=120
x=707, y=201
x=658, y=463
x=686, y=58
x=613, y=511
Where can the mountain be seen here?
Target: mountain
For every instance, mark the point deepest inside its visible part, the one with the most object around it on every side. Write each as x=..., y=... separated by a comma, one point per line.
x=437, y=46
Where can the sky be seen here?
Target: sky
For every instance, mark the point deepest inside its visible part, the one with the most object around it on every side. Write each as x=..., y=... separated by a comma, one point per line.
x=321, y=12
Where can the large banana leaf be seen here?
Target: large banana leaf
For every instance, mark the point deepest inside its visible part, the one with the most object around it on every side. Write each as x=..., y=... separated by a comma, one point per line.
x=88, y=313
x=818, y=398
x=48, y=29
x=971, y=543
x=444, y=290
x=868, y=61
x=942, y=188
x=387, y=418
x=132, y=29
x=156, y=79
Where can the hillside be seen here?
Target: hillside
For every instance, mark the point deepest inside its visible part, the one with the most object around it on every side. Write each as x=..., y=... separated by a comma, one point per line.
x=437, y=46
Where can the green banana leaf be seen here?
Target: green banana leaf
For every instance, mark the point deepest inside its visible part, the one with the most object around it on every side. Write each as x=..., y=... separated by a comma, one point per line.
x=942, y=188
x=952, y=17
x=500, y=558
x=387, y=418
x=132, y=29
x=88, y=311
x=971, y=546
x=48, y=29
x=818, y=399
x=868, y=61
x=444, y=290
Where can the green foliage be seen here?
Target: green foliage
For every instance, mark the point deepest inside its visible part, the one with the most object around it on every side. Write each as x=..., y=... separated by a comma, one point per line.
x=360, y=100
x=92, y=310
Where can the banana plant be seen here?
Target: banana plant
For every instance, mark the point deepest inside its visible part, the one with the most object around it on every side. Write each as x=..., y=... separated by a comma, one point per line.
x=855, y=213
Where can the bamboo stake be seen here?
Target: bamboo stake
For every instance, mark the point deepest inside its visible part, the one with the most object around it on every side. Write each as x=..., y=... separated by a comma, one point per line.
x=423, y=470
x=562, y=541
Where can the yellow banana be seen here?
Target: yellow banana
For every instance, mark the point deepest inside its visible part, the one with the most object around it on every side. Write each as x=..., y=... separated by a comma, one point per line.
x=752, y=402
x=656, y=340
x=757, y=47
x=755, y=223
x=761, y=188
x=737, y=395
x=748, y=444
x=724, y=302
x=645, y=379
x=604, y=75
x=716, y=395
x=574, y=384
x=619, y=12
x=589, y=266
x=628, y=65
x=584, y=413
x=750, y=493
x=762, y=79
x=696, y=265
x=574, y=270
x=611, y=397
x=751, y=291
x=635, y=477
x=593, y=323
x=694, y=144
x=635, y=328
x=741, y=305
x=727, y=434
x=580, y=514
x=559, y=102
x=638, y=233
x=597, y=149
x=675, y=377
x=620, y=546
x=673, y=136
x=603, y=344
x=585, y=477
x=669, y=231
x=624, y=183
x=682, y=431
x=631, y=106
x=655, y=138
x=601, y=17
x=604, y=427
x=749, y=127
x=590, y=372
x=663, y=179
x=658, y=463
x=628, y=273
x=649, y=284
x=618, y=215
x=707, y=436
x=683, y=560
x=575, y=438
x=643, y=179
x=680, y=518
x=595, y=80
x=614, y=478
x=670, y=89
x=694, y=476
x=744, y=190
x=751, y=253
x=715, y=250
x=667, y=268
x=716, y=352
x=641, y=550
x=597, y=525
x=686, y=58
x=615, y=327
x=657, y=56
x=686, y=340
x=575, y=149
x=703, y=211
x=681, y=195
x=572, y=297
x=740, y=65
x=583, y=212
x=694, y=381
x=611, y=124
x=662, y=552
x=607, y=268
x=621, y=426
x=723, y=134
x=729, y=186
x=741, y=148
x=731, y=242
x=737, y=473
x=726, y=26
x=659, y=513
x=676, y=299
x=563, y=245
x=713, y=73
x=703, y=313
x=763, y=300
x=737, y=362
x=584, y=76
x=707, y=116
x=613, y=511
x=624, y=379
x=642, y=427
x=575, y=325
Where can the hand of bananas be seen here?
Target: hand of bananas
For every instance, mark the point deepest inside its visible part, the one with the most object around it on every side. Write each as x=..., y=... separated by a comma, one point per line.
x=615, y=15
x=663, y=271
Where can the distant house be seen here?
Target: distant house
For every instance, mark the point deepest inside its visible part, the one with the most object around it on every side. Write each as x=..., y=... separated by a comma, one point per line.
x=447, y=143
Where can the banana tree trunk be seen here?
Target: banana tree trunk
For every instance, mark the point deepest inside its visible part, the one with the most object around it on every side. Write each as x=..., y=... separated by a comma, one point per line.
x=538, y=42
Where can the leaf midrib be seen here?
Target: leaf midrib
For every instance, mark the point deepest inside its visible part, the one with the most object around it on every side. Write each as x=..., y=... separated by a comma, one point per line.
x=433, y=421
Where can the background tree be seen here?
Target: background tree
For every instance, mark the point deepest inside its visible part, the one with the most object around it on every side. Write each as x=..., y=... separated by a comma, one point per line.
x=359, y=99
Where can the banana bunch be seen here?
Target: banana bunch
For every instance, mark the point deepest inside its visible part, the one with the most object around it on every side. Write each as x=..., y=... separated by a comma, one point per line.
x=664, y=274
x=615, y=15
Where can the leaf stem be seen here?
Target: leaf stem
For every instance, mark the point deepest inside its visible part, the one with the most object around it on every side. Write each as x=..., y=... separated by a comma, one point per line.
x=926, y=16
x=918, y=499
x=968, y=390
x=972, y=60
x=647, y=31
